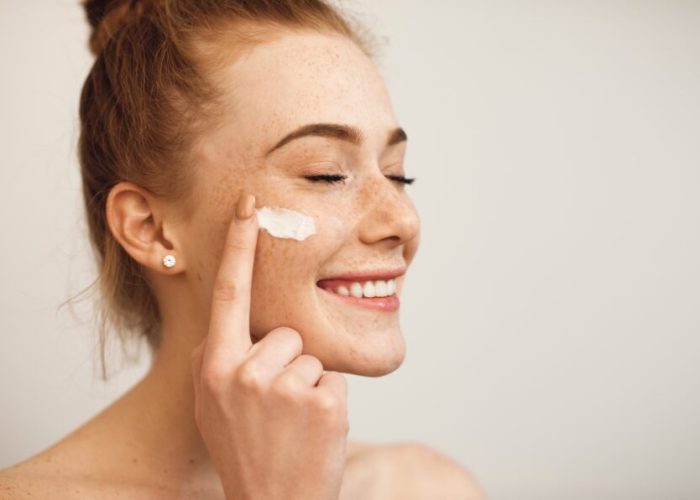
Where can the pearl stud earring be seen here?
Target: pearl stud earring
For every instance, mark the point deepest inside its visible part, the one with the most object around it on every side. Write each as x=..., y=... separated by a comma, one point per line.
x=169, y=261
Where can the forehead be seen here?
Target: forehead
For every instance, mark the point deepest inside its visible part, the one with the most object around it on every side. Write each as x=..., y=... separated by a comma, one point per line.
x=305, y=77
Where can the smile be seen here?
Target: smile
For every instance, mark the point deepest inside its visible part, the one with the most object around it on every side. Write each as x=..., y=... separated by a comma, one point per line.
x=368, y=289
x=375, y=294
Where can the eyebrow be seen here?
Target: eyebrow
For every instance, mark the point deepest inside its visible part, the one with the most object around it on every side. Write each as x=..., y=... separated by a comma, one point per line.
x=346, y=133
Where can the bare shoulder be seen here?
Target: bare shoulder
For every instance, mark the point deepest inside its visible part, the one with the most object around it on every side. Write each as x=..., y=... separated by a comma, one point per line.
x=405, y=471
x=43, y=476
x=20, y=483
x=12, y=486
x=419, y=471
x=27, y=480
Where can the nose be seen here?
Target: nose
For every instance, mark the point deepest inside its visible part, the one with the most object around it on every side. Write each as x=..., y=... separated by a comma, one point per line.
x=389, y=214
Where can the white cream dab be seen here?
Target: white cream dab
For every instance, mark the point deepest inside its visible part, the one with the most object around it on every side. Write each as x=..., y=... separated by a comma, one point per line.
x=285, y=223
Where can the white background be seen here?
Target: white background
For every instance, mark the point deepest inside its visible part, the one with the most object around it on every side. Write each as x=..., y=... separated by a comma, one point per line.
x=552, y=313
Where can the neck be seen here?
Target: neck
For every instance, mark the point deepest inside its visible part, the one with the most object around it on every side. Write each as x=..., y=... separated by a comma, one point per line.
x=164, y=399
x=166, y=395
x=151, y=429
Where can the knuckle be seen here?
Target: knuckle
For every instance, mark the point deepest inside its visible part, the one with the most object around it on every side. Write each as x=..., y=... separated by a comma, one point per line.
x=339, y=378
x=313, y=360
x=290, y=335
x=288, y=387
x=236, y=245
x=212, y=380
x=327, y=405
x=249, y=376
x=340, y=383
x=226, y=290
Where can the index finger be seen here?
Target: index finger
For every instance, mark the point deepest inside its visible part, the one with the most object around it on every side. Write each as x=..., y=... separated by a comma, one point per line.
x=229, y=322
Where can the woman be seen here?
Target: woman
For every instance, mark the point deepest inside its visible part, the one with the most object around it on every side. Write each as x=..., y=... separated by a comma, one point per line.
x=195, y=115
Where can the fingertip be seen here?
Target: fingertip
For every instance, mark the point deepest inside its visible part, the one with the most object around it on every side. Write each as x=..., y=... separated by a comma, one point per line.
x=246, y=206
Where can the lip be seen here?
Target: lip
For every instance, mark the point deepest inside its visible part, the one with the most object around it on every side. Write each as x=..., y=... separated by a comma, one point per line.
x=384, y=304
x=360, y=276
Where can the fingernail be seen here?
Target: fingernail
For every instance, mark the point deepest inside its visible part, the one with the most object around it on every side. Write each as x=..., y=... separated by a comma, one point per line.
x=246, y=204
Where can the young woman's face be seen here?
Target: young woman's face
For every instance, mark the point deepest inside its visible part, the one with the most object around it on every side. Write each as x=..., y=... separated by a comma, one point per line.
x=365, y=223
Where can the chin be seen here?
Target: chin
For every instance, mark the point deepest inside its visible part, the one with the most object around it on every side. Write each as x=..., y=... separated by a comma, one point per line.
x=370, y=360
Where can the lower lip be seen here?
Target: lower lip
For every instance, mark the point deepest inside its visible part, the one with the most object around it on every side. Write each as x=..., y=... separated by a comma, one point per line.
x=385, y=304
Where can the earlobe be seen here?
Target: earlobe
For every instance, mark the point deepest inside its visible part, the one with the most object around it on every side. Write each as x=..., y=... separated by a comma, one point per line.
x=136, y=222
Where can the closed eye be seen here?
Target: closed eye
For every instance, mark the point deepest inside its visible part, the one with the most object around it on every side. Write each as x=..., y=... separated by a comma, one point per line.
x=327, y=178
x=334, y=178
x=402, y=179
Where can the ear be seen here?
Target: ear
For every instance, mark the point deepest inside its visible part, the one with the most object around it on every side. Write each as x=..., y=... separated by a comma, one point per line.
x=139, y=223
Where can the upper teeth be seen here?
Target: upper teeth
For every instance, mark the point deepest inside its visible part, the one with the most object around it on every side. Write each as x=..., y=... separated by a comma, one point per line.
x=377, y=288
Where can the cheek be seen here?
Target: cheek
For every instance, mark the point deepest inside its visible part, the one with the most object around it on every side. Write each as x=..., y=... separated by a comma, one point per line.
x=288, y=262
x=285, y=271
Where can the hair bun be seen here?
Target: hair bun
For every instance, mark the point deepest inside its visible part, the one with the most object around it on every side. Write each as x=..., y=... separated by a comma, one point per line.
x=107, y=16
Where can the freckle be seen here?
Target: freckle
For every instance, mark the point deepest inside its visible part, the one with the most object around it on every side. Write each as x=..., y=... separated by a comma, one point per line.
x=192, y=460
x=134, y=460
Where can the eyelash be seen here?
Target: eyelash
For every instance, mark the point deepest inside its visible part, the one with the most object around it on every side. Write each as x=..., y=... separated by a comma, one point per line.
x=332, y=179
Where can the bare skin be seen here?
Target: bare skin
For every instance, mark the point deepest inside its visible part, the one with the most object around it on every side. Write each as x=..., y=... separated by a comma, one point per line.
x=147, y=444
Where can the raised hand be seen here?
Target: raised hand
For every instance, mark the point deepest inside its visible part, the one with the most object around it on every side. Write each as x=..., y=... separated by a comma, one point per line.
x=274, y=422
